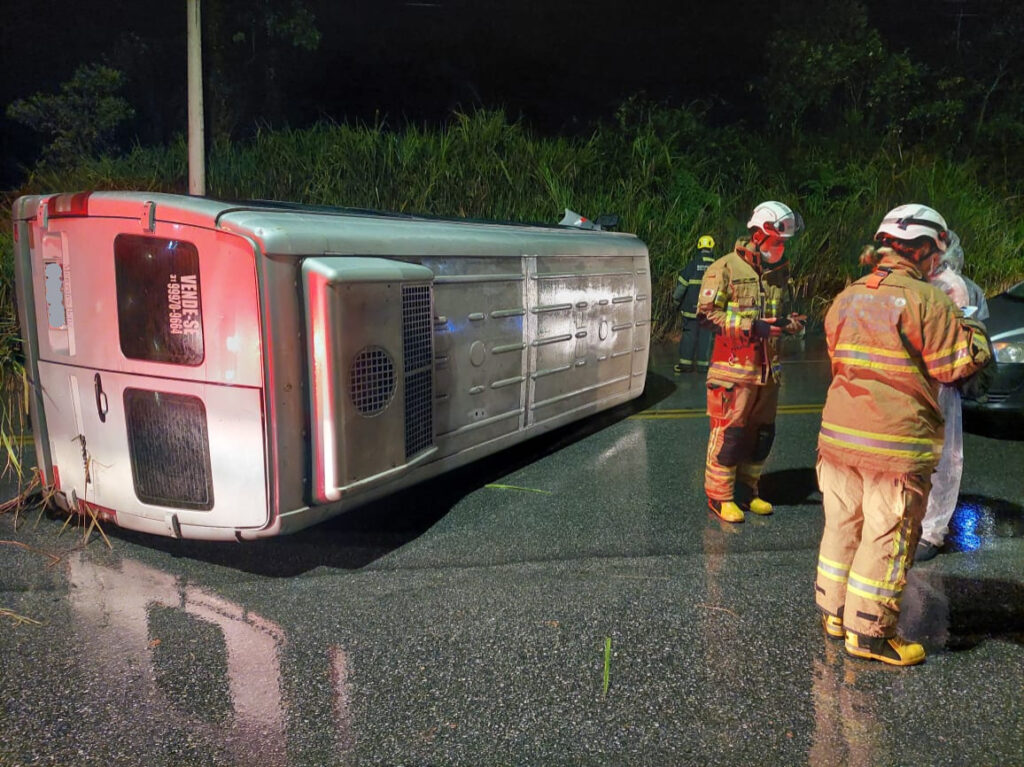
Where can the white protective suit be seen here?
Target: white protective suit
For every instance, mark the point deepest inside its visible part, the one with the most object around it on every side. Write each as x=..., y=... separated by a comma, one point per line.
x=950, y=469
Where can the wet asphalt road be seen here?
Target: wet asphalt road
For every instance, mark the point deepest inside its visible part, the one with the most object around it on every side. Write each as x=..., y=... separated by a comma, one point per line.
x=466, y=621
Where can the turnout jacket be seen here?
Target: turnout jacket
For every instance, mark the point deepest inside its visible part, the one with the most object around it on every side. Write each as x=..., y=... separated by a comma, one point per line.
x=892, y=338
x=732, y=295
x=688, y=283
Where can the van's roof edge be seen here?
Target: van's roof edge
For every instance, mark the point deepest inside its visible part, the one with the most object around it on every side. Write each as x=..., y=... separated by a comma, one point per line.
x=284, y=206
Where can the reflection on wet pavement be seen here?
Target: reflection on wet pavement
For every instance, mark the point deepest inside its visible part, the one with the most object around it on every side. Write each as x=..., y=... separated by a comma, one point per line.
x=846, y=730
x=978, y=520
x=184, y=653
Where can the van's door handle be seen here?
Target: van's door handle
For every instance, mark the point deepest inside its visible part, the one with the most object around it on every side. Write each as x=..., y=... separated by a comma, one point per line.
x=101, y=398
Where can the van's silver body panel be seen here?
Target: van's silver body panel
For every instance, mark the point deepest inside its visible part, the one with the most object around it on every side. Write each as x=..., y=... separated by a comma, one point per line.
x=335, y=355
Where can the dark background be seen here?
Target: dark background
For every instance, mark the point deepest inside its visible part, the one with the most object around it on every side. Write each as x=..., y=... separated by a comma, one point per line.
x=559, y=65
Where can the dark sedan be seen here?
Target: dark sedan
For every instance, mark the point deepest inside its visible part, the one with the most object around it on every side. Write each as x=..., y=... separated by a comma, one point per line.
x=1002, y=409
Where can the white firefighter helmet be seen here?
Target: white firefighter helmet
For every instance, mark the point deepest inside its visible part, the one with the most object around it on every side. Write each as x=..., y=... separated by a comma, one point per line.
x=908, y=222
x=777, y=218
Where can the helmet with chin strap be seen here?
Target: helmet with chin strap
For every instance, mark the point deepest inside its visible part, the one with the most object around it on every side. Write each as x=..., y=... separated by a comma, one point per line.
x=913, y=221
x=776, y=218
x=707, y=242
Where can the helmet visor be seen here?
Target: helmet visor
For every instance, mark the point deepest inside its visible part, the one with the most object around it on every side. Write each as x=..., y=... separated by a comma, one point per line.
x=787, y=226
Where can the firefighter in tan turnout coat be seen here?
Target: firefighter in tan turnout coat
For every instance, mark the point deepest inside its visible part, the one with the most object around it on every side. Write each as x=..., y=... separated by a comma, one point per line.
x=742, y=295
x=892, y=339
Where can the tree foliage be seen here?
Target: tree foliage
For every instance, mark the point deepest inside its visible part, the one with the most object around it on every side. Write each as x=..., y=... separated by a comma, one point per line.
x=81, y=119
x=254, y=48
x=828, y=68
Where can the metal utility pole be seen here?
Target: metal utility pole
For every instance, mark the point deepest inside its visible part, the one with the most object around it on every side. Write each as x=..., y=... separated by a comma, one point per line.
x=196, y=132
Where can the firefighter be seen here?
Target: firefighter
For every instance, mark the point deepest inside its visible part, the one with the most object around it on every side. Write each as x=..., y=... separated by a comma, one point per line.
x=892, y=339
x=695, y=342
x=742, y=296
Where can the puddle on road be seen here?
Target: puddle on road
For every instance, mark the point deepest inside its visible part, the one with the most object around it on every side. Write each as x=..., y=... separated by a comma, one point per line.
x=978, y=521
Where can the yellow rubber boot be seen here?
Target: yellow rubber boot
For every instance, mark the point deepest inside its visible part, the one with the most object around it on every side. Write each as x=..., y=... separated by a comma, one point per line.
x=833, y=625
x=892, y=650
x=748, y=500
x=760, y=506
x=726, y=511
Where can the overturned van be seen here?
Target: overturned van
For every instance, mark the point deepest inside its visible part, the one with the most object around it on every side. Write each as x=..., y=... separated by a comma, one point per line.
x=215, y=370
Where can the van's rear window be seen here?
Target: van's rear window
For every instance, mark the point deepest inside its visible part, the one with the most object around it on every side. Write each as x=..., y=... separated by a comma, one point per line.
x=159, y=299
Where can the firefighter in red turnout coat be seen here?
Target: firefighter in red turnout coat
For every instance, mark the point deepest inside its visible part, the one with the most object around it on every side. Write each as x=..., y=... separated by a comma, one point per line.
x=742, y=295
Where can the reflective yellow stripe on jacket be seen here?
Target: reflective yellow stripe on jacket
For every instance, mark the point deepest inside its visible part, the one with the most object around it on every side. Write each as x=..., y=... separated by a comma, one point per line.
x=896, y=360
x=858, y=440
x=948, y=359
x=734, y=317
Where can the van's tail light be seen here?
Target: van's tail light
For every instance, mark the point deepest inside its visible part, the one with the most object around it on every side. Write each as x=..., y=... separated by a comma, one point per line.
x=69, y=205
x=56, y=478
x=102, y=513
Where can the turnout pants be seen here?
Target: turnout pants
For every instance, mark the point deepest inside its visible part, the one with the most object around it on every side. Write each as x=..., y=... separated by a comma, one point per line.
x=694, y=343
x=872, y=525
x=742, y=432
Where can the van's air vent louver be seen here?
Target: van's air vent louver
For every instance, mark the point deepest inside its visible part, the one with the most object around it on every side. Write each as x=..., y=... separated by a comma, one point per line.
x=169, y=449
x=372, y=383
x=418, y=348
x=417, y=327
x=419, y=423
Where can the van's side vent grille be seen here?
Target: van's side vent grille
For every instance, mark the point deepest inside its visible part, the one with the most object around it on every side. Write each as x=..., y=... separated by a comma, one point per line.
x=418, y=349
x=169, y=449
x=417, y=327
x=419, y=421
x=372, y=383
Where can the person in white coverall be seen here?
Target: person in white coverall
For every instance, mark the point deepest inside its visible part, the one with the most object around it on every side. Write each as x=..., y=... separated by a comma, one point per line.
x=953, y=260
x=946, y=478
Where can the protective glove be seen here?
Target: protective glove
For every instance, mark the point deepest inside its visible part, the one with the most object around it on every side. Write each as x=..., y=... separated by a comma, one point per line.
x=766, y=328
x=794, y=323
x=976, y=385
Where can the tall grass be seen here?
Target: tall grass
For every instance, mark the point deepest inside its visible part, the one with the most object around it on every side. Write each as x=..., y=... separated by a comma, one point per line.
x=13, y=406
x=667, y=175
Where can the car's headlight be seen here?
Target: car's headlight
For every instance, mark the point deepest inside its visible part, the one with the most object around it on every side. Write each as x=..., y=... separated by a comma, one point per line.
x=1009, y=351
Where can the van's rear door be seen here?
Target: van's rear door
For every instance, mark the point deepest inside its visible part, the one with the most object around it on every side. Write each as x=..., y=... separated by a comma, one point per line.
x=150, y=364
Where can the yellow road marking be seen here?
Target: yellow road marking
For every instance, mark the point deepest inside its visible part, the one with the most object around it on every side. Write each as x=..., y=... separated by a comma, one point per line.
x=670, y=414
x=516, y=487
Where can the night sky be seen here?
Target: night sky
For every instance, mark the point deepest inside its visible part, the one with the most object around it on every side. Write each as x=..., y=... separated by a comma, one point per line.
x=558, y=64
